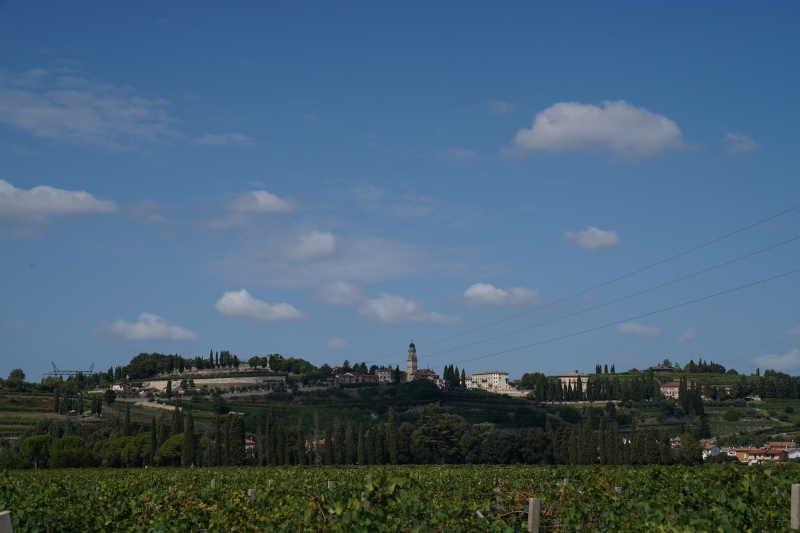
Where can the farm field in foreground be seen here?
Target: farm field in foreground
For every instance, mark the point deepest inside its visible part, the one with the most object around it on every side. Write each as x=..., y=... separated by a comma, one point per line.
x=441, y=498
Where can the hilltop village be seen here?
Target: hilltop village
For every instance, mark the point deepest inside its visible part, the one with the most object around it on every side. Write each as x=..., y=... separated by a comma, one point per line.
x=283, y=410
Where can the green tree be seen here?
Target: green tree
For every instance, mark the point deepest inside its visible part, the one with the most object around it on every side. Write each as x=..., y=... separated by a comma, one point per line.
x=328, y=453
x=436, y=438
x=110, y=396
x=169, y=388
x=17, y=374
x=57, y=400
x=151, y=455
x=361, y=457
x=189, y=454
x=301, y=444
x=37, y=449
x=217, y=442
x=126, y=425
x=236, y=450
x=391, y=430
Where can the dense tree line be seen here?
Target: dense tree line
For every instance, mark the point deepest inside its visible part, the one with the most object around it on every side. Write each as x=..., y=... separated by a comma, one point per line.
x=171, y=439
x=595, y=388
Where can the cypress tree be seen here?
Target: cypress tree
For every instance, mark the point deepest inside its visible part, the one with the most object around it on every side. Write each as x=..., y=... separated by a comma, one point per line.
x=573, y=448
x=328, y=451
x=217, y=442
x=362, y=452
x=280, y=449
x=348, y=444
x=236, y=452
x=463, y=378
x=391, y=436
x=126, y=426
x=377, y=444
x=338, y=442
x=226, y=457
x=189, y=456
x=369, y=446
x=301, y=444
x=177, y=422
x=153, y=441
x=169, y=388
x=286, y=452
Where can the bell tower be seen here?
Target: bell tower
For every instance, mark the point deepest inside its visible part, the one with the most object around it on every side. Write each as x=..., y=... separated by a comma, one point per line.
x=412, y=362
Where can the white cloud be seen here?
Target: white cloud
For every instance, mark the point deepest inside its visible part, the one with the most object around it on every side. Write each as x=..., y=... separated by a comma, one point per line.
x=736, y=143
x=261, y=202
x=28, y=210
x=335, y=343
x=224, y=139
x=393, y=309
x=340, y=293
x=362, y=259
x=499, y=107
x=794, y=332
x=58, y=105
x=148, y=327
x=239, y=304
x=485, y=294
x=786, y=361
x=313, y=246
x=630, y=328
x=593, y=239
x=688, y=335
x=617, y=127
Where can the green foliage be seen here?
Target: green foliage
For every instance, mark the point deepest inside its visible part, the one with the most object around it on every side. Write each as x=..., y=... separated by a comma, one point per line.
x=388, y=499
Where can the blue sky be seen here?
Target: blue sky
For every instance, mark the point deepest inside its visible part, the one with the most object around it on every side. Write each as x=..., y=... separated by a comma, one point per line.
x=334, y=180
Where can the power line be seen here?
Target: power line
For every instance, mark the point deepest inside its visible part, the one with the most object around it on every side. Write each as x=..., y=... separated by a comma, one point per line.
x=662, y=310
x=613, y=301
x=653, y=265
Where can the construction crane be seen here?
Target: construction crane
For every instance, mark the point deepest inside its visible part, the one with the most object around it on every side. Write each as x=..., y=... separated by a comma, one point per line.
x=72, y=408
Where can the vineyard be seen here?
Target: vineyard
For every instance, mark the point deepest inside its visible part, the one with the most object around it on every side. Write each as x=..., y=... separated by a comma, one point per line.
x=467, y=498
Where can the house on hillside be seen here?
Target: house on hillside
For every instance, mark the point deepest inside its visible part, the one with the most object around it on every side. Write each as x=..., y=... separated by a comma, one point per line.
x=661, y=369
x=780, y=445
x=711, y=450
x=491, y=380
x=571, y=379
x=670, y=390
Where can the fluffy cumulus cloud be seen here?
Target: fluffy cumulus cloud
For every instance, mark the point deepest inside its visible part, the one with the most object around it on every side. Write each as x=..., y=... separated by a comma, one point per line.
x=393, y=309
x=616, y=127
x=62, y=106
x=736, y=143
x=593, y=238
x=485, y=294
x=148, y=327
x=340, y=293
x=24, y=212
x=639, y=330
x=787, y=361
x=688, y=335
x=315, y=245
x=239, y=304
x=261, y=202
x=335, y=343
